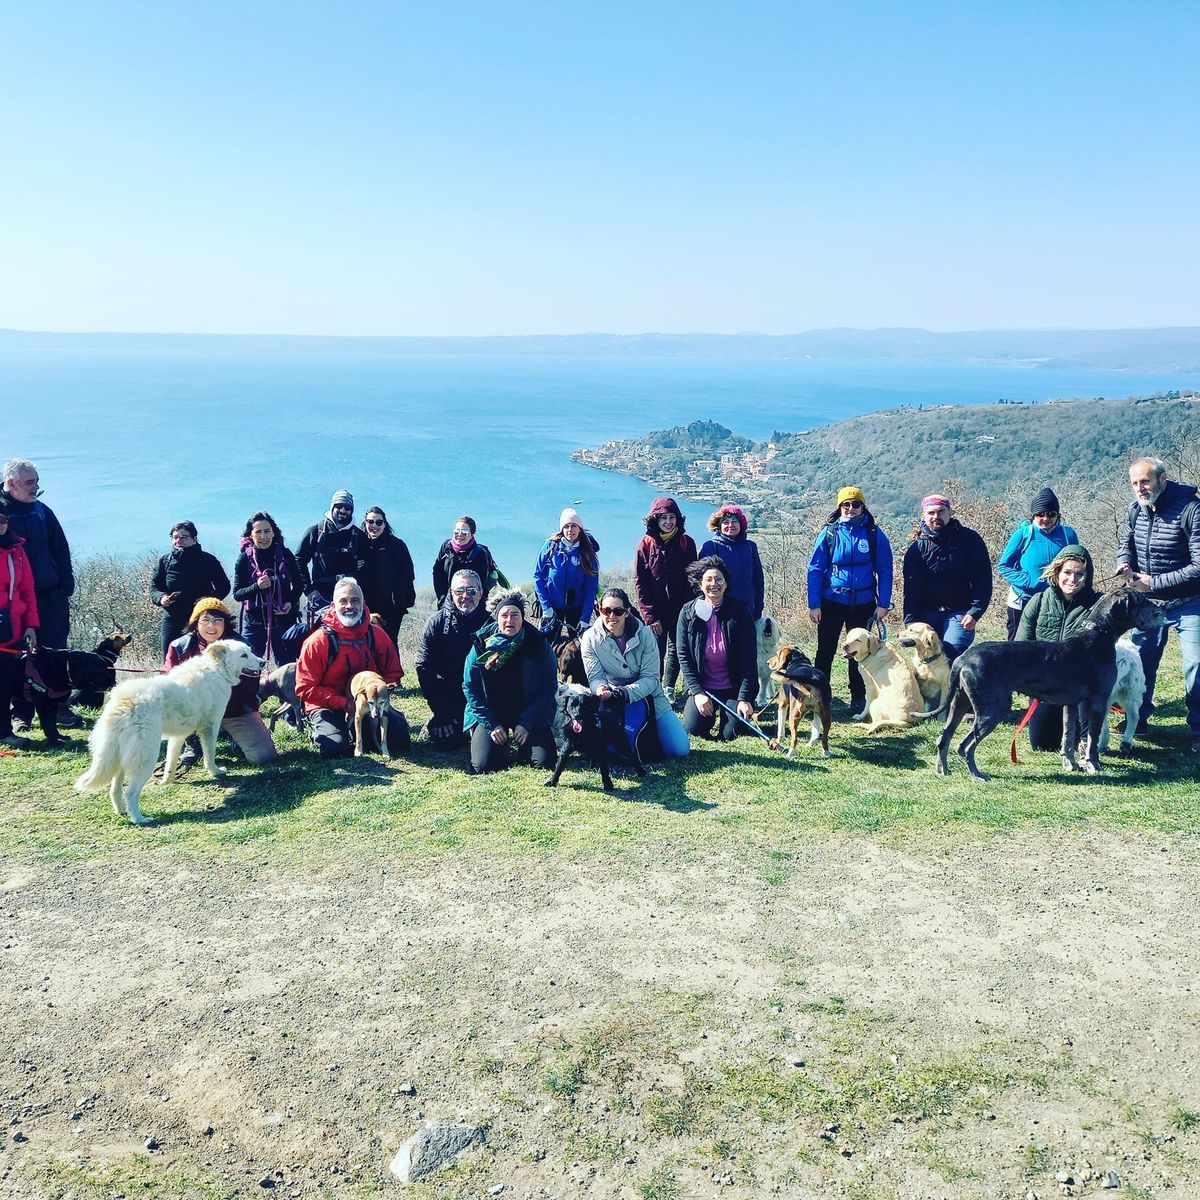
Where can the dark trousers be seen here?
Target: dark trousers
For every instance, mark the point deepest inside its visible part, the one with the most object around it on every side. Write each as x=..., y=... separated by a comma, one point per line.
x=1012, y=621
x=329, y=730
x=282, y=651
x=54, y=628
x=668, y=657
x=1046, y=727
x=486, y=756
x=698, y=726
x=12, y=676
x=835, y=618
x=172, y=627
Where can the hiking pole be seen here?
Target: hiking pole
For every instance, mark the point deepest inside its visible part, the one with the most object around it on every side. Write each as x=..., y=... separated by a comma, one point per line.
x=737, y=716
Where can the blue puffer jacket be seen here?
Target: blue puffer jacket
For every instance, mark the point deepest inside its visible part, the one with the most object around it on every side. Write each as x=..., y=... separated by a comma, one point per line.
x=560, y=580
x=740, y=556
x=1028, y=553
x=846, y=575
x=1158, y=545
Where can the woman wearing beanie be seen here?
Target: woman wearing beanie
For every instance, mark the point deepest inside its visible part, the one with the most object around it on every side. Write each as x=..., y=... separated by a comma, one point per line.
x=660, y=582
x=849, y=583
x=183, y=576
x=1030, y=550
x=211, y=622
x=568, y=572
x=739, y=554
x=267, y=584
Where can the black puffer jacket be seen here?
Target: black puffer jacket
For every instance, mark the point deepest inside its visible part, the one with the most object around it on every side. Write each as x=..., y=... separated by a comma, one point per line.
x=327, y=553
x=445, y=642
x=741, y=647
x=387, y=577
x=949, y=570
x=1157, y=544
x=193, y=573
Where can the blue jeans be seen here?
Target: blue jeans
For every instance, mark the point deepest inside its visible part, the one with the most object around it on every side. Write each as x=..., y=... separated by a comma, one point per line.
x=1186, y=623
x=672, y=736
x=948, y=626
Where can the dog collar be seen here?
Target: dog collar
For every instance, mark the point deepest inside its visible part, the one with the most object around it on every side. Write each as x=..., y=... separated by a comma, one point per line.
x=933, y=658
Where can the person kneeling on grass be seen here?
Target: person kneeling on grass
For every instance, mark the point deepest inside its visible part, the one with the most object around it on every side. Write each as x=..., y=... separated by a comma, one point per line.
x=344, y=643
x=620, y=656
x=211, y=622
x=509, y=679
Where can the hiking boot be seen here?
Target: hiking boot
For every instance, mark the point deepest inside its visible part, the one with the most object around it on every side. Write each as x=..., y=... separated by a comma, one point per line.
x=21, y=725
x=13, y=742
x=188, y=755
x=68, y=719
x=1196, y=745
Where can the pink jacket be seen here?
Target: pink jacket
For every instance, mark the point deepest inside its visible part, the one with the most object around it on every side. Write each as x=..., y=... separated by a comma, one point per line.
x=16, y=590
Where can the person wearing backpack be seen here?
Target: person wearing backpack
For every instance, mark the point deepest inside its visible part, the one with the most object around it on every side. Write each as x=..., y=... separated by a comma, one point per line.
x=1031, y=549
x=849, y=584
x=344, y=643
x=1161, y=557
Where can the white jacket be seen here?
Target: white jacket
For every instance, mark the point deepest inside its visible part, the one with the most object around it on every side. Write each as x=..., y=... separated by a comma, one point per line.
x=637, y=669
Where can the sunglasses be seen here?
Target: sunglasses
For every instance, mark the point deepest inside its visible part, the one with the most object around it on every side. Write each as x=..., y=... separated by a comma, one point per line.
x=1046, y=514
x=852, y=504
x=369, y=521
x=465, y=591
x=613, y=612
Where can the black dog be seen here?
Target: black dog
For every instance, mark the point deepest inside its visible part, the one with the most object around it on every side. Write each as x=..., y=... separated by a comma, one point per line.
x=1078, y=673
x=582, y=723
x=109, y=650
x=51, y=674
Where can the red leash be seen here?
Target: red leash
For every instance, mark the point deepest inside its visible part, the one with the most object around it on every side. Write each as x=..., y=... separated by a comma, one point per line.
x=1021, y=725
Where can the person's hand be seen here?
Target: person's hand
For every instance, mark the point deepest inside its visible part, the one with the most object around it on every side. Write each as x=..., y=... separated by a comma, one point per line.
x=1123, y=570
x=968, y=622
x=704, y=704
x=31, y=639
x=656, y=628
x=605, y=692
x=264, y=581
x=169, y=599
x=745, y=709
x=441, y=731
x=285, y=608
x=881, y=613
x=520, y=735
x=1140, y=583
x=499, y=735
x=814, y=615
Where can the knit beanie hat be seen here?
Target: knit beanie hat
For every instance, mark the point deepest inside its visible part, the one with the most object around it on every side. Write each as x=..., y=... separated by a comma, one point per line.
x=209, y=604
x=341, y=496
x=728, y=510
x=569, y=516
x=851, y=493
x=498, y=600
x=1044, y=502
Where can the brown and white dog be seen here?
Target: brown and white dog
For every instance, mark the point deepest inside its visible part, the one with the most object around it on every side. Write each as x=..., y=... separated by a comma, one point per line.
x=892, y=692
x=803, y=691
x=372, y=700
x=930, y=664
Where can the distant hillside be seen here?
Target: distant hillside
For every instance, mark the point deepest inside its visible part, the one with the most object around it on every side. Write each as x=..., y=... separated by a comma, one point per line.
x=1169, y=349
x=898, y=456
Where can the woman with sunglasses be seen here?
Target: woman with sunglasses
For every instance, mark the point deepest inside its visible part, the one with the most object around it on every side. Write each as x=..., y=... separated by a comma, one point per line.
x=387, y=578
x=1031, y=549
x=849, y=583
x=620, y=655
x=461, y=552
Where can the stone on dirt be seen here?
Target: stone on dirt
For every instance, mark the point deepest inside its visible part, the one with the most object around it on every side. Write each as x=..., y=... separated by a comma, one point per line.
x=431, y=1147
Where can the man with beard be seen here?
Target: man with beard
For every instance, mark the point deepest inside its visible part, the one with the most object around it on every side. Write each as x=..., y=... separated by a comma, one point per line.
x=50, y=560
x=947, y=576
x=344, y=643
x=441, y=655
x=330, y=550
x=1161, y=557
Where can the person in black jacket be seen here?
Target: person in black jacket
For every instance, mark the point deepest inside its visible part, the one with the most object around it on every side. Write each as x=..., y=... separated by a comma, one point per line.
x=330, y=550
x=387, y=577
x=461, y=552
x=1161, y=557
x=718, y=652
x=445, y=643
x=185, y=575
x=267, y=584
x=947, y=577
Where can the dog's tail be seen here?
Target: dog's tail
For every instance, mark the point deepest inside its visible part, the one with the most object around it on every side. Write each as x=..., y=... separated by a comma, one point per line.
x=951, y=690
x=106, y=758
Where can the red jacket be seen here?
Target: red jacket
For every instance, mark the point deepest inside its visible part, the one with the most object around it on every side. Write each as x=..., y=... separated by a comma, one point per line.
x=322, y=683
x=16, y=576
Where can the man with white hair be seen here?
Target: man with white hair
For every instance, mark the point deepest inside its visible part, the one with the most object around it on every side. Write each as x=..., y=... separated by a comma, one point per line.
x=50, y=559
x=344, y=643
x=1161, y=557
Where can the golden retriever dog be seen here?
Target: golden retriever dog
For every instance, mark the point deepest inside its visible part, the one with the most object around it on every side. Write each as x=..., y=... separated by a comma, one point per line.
x=372, y=699
x=892, y=692
x=930, y=664
x=802, y=691
x=141, y=712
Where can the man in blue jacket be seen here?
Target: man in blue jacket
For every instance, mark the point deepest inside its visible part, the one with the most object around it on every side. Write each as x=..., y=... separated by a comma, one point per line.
x=1161, y=557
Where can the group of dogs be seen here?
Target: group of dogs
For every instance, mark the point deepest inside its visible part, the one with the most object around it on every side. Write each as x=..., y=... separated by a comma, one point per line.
x=1084, y=674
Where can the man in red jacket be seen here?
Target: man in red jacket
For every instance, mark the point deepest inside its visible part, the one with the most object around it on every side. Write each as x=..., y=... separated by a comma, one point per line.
x=342, y=645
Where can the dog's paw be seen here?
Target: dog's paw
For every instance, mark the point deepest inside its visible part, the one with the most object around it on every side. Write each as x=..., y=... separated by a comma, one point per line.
x=551, y=783
x=219, y=771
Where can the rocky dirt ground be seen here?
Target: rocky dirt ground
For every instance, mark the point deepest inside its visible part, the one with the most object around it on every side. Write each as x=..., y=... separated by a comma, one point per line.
x=1011, y=1017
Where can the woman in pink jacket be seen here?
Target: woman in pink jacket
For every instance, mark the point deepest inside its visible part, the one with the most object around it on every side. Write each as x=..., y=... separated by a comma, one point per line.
x=18, y=625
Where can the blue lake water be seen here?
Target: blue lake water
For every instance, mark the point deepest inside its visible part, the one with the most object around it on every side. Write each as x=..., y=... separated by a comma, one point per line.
x=129, y=441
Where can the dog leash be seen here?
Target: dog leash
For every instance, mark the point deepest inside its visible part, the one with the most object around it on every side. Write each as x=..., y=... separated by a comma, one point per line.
x=737, y=716
x=1021, y=725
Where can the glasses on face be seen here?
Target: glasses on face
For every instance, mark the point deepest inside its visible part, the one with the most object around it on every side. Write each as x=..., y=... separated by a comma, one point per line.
x=465, y=591
x=852, y=504
x=613, y=612
x=1046, y=514
x=343, y=508
x=210, y=619
x=373, y=521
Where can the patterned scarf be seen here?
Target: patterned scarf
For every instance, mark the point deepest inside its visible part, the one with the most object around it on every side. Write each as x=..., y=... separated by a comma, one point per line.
x=498, y=650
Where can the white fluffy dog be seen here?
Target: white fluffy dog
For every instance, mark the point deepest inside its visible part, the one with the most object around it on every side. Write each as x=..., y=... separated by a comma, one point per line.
x=1128, y=692
x=767, y=629
x=190, y=699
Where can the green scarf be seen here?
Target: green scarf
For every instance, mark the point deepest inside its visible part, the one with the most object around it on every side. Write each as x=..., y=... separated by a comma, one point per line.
x=498, y=649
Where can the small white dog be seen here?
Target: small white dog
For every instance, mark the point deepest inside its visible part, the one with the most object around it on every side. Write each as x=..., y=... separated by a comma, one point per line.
x=767, y=629
x=1128, y=692
x=138, y=714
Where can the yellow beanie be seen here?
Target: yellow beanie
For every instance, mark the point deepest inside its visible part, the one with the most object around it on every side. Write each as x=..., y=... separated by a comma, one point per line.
x=210, y=604
x=851, y=493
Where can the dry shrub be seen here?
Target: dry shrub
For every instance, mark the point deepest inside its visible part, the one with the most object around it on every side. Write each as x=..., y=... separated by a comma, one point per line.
x=112, y=591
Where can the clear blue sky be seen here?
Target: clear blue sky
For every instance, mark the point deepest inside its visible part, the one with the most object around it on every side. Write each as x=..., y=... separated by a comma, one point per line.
x=475, y=168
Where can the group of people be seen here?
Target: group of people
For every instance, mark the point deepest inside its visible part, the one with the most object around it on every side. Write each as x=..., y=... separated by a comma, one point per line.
x=684, y=647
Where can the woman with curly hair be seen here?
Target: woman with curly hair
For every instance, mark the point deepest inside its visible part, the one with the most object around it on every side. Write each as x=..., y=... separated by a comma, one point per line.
x=740, y=556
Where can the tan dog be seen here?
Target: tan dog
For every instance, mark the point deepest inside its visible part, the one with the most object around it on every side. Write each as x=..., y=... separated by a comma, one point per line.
x=372, y=699
x=930, y=664
x=803, y=691
x=892, y=692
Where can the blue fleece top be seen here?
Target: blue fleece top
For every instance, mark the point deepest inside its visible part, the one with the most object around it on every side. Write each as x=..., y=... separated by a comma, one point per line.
x=559, y=578
x=1028, y=553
